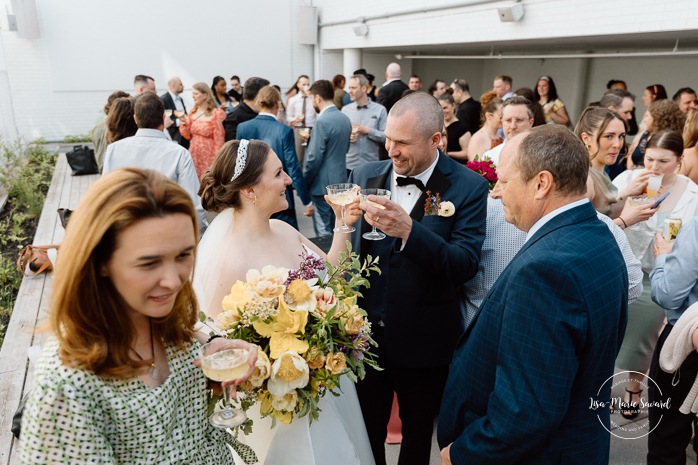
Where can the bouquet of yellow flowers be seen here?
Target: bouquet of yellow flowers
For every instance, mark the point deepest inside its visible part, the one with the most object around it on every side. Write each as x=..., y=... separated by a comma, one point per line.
x=309, y=331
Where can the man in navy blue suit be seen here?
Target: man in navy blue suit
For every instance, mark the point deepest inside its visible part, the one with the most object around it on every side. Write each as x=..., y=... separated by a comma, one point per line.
x=428, y=254
x=265, y=127
x=544, y=340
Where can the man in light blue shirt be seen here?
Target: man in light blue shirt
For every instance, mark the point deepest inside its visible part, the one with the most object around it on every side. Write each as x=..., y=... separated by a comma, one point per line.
x=368, y=121
x=151, y=149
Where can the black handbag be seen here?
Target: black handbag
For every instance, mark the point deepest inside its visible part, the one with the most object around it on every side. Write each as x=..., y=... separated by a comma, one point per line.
x=82, y=160
x=17, y=417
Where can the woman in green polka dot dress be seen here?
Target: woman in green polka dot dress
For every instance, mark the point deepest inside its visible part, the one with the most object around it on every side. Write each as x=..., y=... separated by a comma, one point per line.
x=117, y=381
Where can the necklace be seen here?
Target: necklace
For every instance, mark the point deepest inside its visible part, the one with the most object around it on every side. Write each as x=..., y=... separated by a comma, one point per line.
x=676, y=178
x=153, y=372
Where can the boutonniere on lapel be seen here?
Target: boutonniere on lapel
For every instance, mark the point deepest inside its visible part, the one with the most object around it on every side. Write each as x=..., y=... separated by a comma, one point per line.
x=434, y=206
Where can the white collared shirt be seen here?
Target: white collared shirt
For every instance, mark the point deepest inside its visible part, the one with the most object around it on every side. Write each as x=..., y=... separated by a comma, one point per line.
x=178, y=103
x=541, y=222
x=295, y=108
x=407, y=196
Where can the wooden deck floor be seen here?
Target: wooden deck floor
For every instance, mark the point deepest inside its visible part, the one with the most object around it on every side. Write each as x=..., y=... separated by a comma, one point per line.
x=31, y=307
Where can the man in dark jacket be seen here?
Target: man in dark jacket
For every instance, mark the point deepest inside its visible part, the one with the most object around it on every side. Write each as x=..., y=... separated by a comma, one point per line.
x=247, y=109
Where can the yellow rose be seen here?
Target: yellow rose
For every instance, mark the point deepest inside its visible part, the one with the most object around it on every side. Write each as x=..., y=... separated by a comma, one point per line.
x=326, y=301
x=262, y=369
x=286, y=403
x=229, y=319
x=446, y=209
x=336, y=363
x=289, y=372
x=353, y=322
x=315, y=358
x=269, y=283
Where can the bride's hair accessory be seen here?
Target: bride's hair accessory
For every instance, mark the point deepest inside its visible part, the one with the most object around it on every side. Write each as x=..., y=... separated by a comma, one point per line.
x=241, y=159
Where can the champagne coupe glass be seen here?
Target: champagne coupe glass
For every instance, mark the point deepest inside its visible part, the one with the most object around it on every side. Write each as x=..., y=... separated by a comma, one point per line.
x=374, y=235
x=179, y=113
x=225, y=363
x=305, y=132
x=168, y=112
x=343, y=194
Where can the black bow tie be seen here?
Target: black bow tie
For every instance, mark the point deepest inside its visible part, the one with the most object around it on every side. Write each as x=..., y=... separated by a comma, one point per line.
x=361, y=107
x=407, y=180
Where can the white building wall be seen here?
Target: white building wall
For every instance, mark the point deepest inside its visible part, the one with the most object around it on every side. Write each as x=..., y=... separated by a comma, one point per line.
x=58, y=83
x=479, y=22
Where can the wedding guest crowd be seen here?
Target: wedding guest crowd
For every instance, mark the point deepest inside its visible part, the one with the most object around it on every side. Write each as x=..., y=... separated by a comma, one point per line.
x=497, y=366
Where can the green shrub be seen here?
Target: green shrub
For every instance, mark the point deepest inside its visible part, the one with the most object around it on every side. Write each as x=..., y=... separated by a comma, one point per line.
x=69, y=139
x=25, y=174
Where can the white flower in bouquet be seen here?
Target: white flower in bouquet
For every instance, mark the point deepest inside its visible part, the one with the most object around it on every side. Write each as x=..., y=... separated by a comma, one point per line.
x=300, y=294
x=285, y=403
x=269, y=283
x=288, y=373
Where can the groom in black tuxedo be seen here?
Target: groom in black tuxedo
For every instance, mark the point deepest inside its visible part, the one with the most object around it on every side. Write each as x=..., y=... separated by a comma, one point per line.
x=413, y=303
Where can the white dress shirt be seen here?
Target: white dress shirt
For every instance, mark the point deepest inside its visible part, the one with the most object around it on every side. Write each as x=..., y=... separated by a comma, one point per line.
x=179, y=104
x=295, y=108
x=407, y=196
x=151, y=149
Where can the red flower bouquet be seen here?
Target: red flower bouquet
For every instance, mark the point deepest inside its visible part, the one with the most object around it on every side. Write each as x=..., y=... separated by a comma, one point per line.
x=485, y=168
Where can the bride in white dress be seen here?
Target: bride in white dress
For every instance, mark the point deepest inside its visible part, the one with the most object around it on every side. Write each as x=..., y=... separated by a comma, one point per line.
x=246, y=185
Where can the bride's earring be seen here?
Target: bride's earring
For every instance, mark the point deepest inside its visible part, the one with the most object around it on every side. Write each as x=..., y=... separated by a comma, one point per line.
x=254, y=201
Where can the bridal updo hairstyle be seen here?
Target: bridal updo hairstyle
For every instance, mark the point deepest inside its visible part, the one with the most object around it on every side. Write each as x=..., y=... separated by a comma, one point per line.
x=217, y=191
x=88, y=314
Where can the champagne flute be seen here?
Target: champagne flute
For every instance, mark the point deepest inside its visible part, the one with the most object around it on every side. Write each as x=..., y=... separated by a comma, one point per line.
x=374, y=235
x=343, y=194
x=225, y=364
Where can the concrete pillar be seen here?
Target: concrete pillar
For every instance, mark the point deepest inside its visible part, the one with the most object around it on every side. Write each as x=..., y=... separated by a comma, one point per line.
x=352, y=61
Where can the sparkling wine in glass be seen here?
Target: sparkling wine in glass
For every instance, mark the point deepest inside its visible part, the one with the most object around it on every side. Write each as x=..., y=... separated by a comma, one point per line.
x=225, y=364
x=343, y=194
x=168, y=112
x=179, y=113
x=305, y=132
x=374, y=235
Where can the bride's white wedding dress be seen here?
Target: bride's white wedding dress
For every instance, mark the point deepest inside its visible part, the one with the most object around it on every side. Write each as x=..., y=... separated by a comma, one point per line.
x=338, y=437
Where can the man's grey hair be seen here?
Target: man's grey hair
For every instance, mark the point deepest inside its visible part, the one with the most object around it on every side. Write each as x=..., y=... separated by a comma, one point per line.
x=614, y=98
x=519, y=100
x=555, y=149
x=363, y=81
x=430, y=116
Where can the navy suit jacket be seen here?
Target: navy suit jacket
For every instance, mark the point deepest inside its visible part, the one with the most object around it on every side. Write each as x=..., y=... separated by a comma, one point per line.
x=417, y=293
x=280, y=139
x=326, y=156
x=542, y=344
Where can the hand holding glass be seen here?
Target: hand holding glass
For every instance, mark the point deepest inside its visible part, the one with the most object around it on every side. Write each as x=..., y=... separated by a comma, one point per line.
x=343, y=194
x=374, y=235
x=305, y=134
x=225, y=364
x=654, y=182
